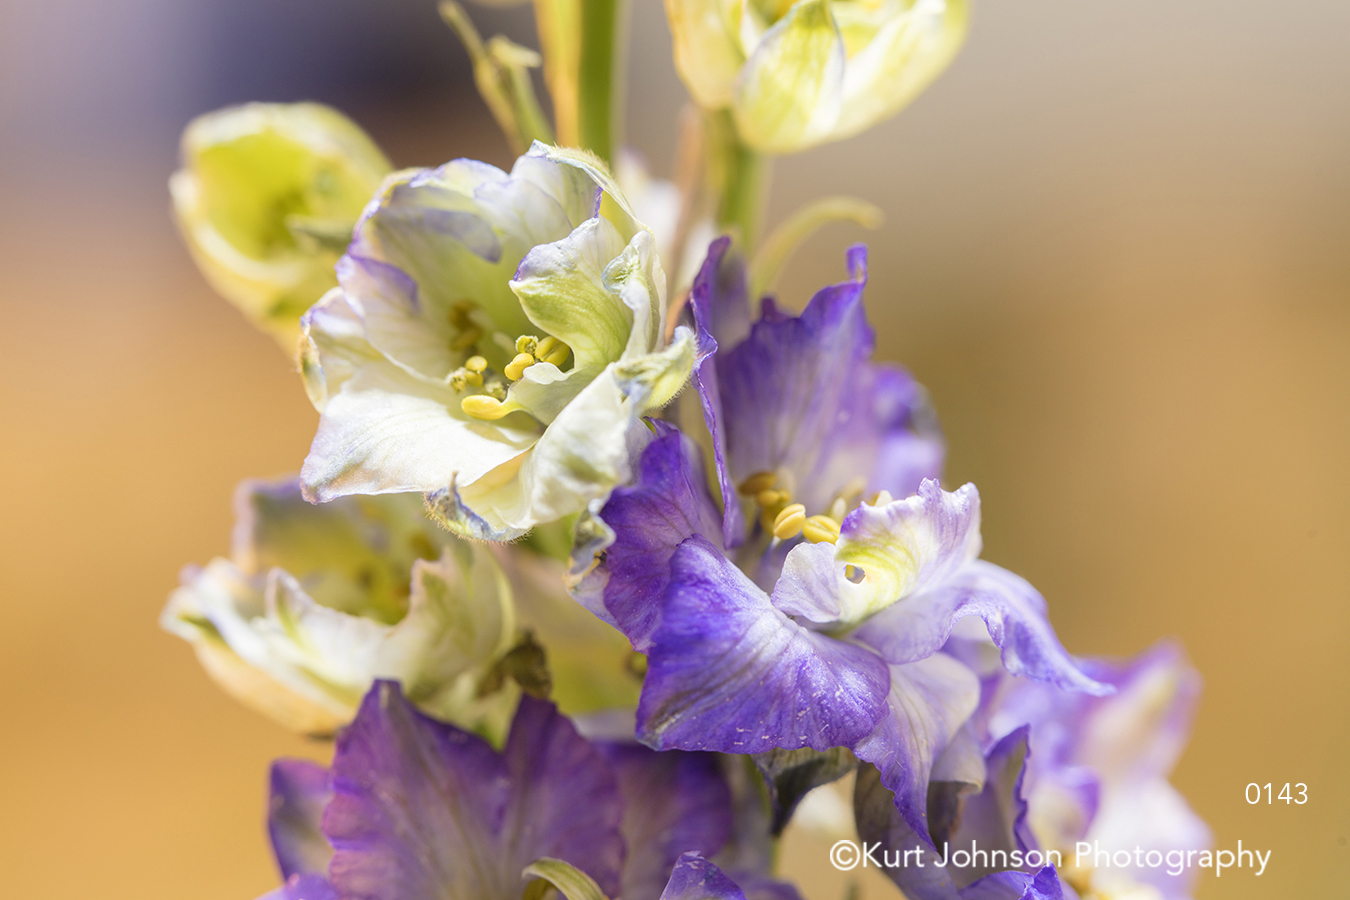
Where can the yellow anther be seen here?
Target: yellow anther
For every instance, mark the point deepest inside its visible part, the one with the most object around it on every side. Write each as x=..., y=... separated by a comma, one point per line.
x=481, y=406
x=881, y=498
x=516, y=367
x=853, y=574
x=789, y=522
x=527, y=343
x=475, y=364
x=771, y=497
x=760, y=481
x=821, y=529
x=552, y=350
x=838, y=509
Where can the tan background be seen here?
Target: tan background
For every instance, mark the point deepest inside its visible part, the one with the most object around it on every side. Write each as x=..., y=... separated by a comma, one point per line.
x=1117, y=254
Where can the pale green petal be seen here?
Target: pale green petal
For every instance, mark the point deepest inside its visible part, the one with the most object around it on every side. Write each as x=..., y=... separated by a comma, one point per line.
x=460, y=617
x=267, y=197
x=708, y=53
x=907, y=53
x=385, y=432
x=789, y=93
x=581, y=457
x=562, y=289
x=657, y=377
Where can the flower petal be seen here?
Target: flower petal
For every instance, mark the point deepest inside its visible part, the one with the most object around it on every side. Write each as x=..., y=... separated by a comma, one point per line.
x=1043, y=885
x=1012, y=610
x=300, y=790
x=729, y=672
x=695, y=878
x=666, y=503
x=385, y=432
x=423, y=809
x=901, y=548
x=674, y=803
x=928, y=701
x=788, y=94
x=721, y=315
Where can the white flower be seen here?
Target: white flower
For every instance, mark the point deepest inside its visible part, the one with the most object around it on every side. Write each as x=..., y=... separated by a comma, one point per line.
x=494, y=342
x=316, y=602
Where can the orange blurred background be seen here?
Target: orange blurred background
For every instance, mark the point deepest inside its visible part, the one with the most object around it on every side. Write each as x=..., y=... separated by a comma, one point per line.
x=1117, y=253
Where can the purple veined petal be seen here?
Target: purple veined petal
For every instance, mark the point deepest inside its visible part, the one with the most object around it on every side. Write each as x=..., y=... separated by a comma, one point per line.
x=1012, y=610
x=929, y=700
x=729, y=672
x=1044, y=885
x=674, y=803
x=665, y=504
x=787, y=388
x=722, y=316
x=299, y=791
x=423, y=809
x=695, y=878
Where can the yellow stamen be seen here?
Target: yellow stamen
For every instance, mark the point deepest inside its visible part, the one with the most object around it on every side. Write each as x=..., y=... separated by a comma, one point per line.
x=483, y=407
x=760, y=481
x=771, y=497
x=555, y=353
x=475, y=364
x=789, y=522
x=882, y=498
x=838, y=509
x=821, y=529
x=516, y=367
x=527, y=343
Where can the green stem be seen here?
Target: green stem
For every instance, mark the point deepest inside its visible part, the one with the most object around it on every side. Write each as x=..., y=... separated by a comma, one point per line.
x=740, y=176
x=600, y=75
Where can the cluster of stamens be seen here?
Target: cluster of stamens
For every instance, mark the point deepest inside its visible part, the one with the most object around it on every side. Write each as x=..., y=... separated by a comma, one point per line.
x=531, y=350
x=490, y=404
x=785, y=519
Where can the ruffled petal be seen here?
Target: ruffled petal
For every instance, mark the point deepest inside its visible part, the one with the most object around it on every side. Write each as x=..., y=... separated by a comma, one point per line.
x=901, y=548
x=1012, y=610
x=729, y=672
x=422, y=809
x=674, y=803
x=299, y=791
x=304, y=887
x=784, y=388
x=666, y=503
x=928, y=702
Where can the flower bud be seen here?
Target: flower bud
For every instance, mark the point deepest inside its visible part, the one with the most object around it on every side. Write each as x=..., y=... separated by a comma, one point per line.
x=266, y=200
x=797, y=74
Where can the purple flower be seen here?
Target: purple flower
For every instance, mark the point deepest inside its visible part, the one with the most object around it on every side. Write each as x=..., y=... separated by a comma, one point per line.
x=413, y=808
x=1099, y=766
x=820, y=624
x=981, y=847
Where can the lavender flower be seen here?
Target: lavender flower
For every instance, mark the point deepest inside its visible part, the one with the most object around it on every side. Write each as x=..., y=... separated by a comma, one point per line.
x=820, y=624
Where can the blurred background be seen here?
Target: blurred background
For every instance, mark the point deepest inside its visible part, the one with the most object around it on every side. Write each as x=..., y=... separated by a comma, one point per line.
x=1117, y=252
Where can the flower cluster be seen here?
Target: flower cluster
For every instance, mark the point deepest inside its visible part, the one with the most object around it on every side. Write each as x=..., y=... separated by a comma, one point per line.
x=601, y=559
